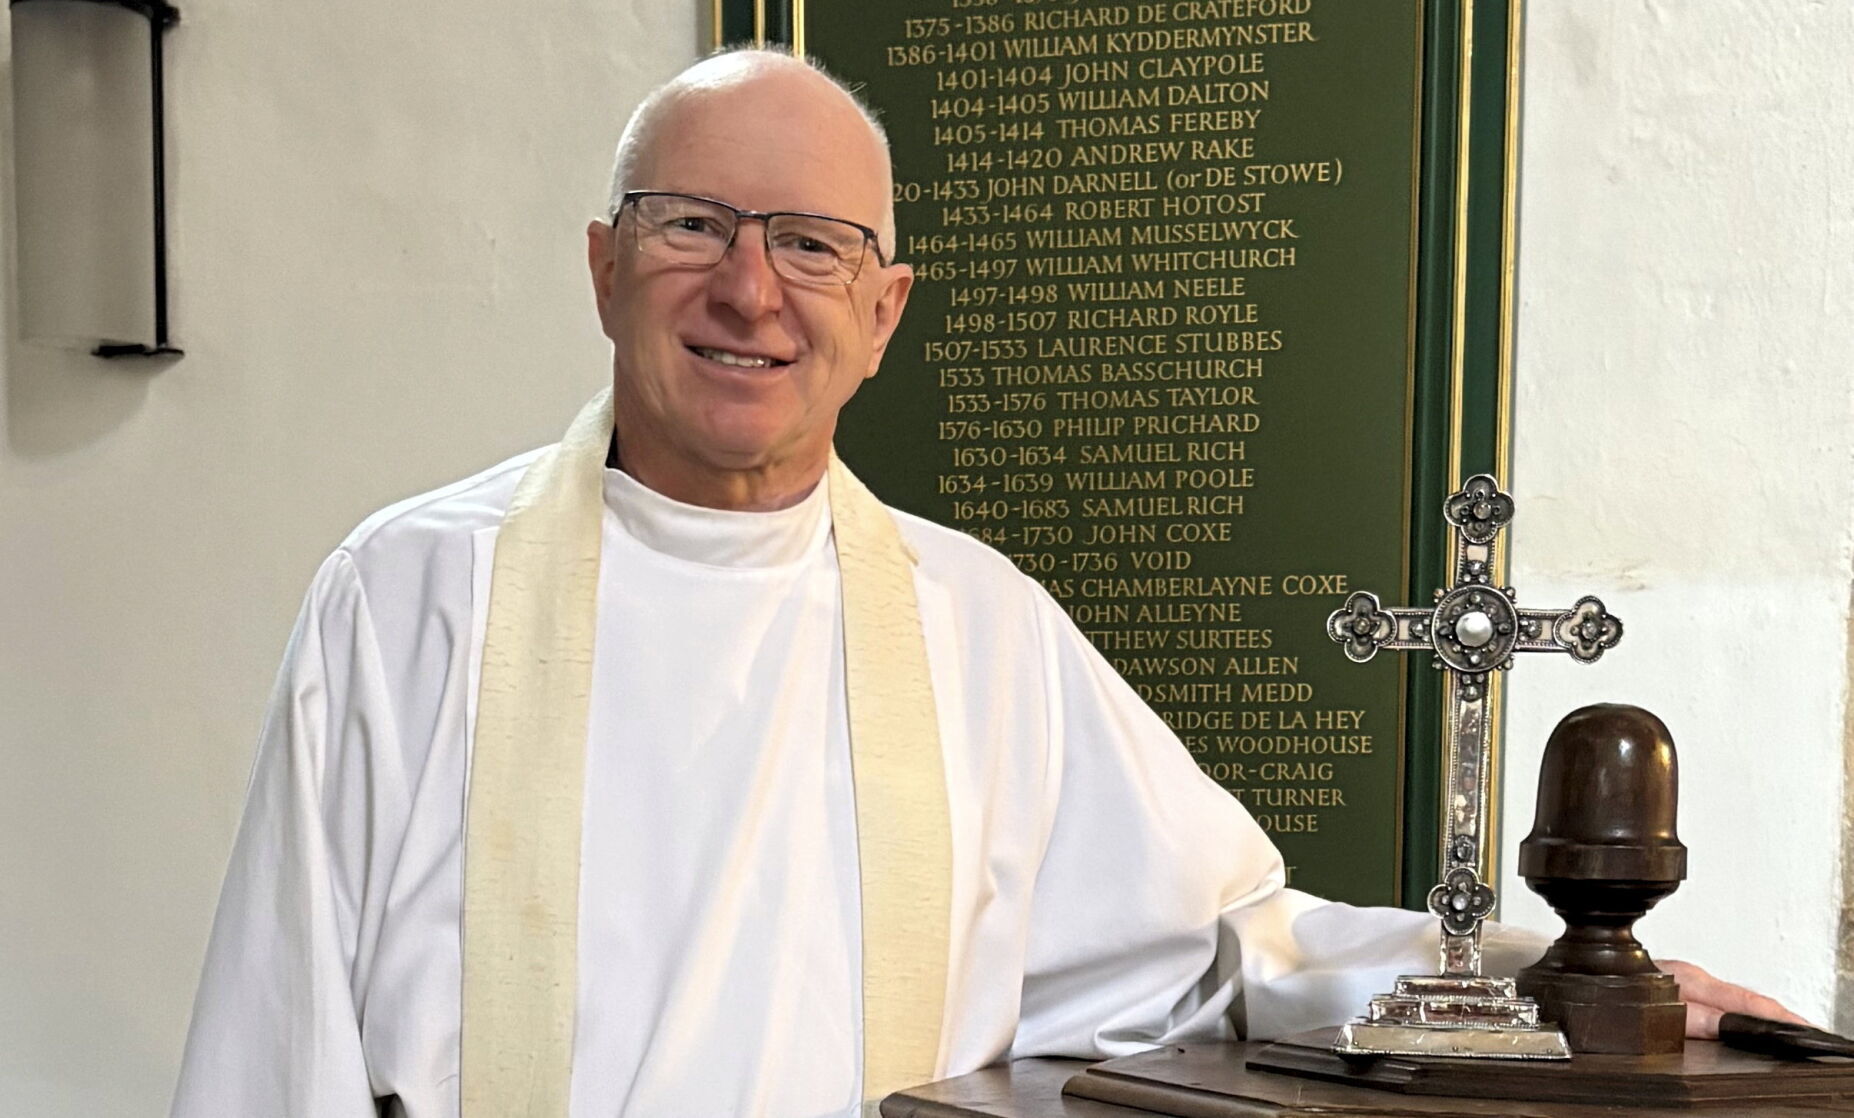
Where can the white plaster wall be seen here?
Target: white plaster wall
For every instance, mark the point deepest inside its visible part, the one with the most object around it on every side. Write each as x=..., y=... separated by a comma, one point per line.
x=377, y=213
x=377, y=256
x=1685, y=445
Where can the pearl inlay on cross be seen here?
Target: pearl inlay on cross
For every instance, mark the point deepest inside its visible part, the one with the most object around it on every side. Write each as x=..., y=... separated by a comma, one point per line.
x=1474, y=629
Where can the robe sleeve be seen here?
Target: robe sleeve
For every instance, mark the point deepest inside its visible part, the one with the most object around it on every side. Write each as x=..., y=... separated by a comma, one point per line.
x=1161, y=912
x=276, y=1029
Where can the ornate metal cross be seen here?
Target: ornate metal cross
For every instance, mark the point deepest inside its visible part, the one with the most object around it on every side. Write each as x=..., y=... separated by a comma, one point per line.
x=1473, y=629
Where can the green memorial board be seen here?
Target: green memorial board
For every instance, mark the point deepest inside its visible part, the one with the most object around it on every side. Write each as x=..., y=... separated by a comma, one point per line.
x=1192, y=341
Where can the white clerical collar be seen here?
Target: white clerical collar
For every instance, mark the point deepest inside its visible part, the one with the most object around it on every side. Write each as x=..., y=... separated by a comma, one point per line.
x=718, y=537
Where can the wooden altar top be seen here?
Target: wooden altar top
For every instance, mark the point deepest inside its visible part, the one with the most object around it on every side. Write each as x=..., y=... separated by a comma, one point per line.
x=1033, y=1089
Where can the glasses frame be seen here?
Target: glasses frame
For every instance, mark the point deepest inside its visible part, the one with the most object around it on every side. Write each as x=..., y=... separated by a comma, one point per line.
x=764, y=217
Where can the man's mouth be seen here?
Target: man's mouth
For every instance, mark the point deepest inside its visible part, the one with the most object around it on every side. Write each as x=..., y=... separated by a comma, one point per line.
x=739, y=360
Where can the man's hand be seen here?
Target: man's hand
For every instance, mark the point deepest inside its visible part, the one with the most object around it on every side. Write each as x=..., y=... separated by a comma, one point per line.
x=1707, y=998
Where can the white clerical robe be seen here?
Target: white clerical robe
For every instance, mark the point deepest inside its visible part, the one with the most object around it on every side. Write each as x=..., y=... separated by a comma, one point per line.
x=1106, y=895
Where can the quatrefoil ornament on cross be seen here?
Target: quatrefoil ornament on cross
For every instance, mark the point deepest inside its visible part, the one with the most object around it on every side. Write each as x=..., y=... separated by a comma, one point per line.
x=1462, y=900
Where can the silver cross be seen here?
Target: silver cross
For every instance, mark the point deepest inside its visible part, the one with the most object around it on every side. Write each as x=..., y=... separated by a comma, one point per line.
x=1473, y=629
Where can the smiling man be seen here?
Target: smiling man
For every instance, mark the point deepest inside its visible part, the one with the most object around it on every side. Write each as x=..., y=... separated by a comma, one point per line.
x=667, y=772
x=736, y=345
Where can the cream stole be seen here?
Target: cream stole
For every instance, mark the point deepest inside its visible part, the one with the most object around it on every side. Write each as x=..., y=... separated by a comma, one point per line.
x=527, y=774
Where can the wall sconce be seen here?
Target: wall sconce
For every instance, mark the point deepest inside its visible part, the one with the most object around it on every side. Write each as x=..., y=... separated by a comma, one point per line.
x=89, y=167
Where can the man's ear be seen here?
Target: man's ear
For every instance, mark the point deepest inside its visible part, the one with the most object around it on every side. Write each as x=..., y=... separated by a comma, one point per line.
x=898, y=280
x=599, y=242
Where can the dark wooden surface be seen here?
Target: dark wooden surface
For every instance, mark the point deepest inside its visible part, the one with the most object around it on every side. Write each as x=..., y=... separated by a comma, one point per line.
x=1019, y=1090
x=1706, y=1074
x=1033, y=1089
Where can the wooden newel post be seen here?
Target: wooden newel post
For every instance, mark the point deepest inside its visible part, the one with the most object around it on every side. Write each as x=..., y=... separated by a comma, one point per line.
x=1602, y=852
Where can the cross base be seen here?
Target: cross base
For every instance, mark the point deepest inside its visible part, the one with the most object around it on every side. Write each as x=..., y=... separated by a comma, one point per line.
x=1453, y=1015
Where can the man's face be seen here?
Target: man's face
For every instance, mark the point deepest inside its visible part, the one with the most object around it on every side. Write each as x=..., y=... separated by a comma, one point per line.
x=734, y=369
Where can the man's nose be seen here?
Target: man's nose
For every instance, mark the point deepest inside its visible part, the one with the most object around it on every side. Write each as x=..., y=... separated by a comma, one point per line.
x=744, y=279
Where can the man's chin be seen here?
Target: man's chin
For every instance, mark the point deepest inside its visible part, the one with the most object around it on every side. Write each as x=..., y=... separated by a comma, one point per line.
x=767, y=461
x=750, y=450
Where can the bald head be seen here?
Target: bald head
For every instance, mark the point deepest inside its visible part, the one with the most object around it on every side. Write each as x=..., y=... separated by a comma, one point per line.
x=772, y=87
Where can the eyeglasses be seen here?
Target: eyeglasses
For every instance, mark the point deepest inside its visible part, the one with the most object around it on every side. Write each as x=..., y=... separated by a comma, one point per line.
x=697, y=232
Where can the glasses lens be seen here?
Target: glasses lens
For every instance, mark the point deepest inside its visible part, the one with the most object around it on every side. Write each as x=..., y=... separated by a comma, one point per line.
x=686, y=230
x=815, y=249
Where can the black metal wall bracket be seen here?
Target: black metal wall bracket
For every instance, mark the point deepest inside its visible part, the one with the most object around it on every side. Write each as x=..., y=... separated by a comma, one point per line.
x=160, y=16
